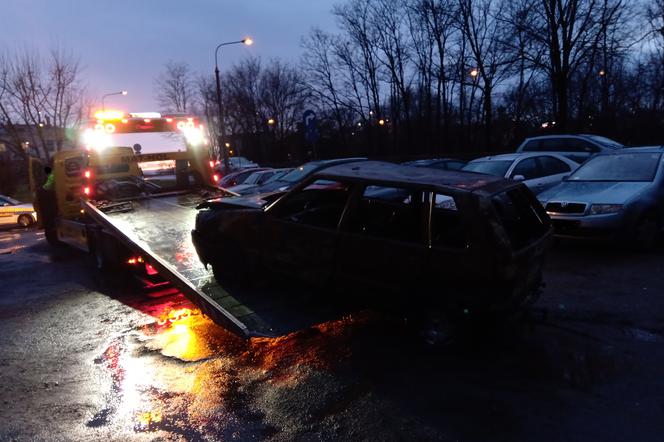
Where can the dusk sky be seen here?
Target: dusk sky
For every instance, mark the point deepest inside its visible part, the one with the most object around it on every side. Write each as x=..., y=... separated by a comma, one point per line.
x=124, y=44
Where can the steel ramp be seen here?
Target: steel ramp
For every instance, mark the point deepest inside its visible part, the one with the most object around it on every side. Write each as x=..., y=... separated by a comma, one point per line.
x=159, y=228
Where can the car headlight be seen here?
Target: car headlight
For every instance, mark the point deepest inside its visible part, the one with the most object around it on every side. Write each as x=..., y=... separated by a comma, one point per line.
x=599, y=209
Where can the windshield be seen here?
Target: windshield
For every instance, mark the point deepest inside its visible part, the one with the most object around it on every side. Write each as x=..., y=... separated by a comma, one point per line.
x=299, y=173
x=10, y=200
x=607, y=142
x=498, y=168
x=622, y=167
x=254, y=178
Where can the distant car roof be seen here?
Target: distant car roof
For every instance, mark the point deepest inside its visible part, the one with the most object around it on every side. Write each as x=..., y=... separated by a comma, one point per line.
x=518, y=155
x=597, y=139
x=429, y=161
x=399, y=174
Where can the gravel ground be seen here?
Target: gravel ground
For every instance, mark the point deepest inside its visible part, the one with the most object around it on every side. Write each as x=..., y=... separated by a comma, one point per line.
x=86, y=357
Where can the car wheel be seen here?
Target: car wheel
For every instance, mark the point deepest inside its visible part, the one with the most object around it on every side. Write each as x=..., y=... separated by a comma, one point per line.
x=25, y=221
x=646, y=232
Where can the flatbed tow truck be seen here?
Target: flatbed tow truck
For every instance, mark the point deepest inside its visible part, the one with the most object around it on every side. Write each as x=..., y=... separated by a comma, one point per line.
x=149, y=228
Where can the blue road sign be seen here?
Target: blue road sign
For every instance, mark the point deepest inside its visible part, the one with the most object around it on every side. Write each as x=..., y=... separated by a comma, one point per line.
x=310, y=126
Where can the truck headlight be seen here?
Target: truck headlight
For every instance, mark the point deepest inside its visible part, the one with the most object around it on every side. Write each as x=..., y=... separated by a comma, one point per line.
x=600, y=209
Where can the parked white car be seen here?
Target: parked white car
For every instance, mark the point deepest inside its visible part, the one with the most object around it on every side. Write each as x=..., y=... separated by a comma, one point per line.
x=539, y=171
x=575, y=147
x=13, y=212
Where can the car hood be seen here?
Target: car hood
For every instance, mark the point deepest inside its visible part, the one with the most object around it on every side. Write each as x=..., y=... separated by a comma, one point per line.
x=594, y=192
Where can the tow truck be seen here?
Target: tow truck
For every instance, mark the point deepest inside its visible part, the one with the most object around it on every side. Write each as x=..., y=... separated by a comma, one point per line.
x=105, y=205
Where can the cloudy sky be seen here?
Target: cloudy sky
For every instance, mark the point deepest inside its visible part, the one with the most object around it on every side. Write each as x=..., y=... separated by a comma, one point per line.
x=123, y=44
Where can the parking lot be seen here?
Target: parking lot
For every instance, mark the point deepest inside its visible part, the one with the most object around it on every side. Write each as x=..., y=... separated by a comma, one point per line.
x=85, y=356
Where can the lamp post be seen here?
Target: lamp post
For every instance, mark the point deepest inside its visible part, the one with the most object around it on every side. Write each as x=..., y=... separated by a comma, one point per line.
x=103, y=106
x=222, y=128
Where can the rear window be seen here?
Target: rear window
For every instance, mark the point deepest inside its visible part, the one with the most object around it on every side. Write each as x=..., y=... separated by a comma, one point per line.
x=497, y=167
x=447, y=230
x=389, y=212
x=522, y=216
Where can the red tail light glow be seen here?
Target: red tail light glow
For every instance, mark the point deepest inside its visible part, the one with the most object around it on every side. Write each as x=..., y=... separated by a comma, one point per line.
x=87, y=173
x=215, y=177
x=150, y=270
x=86, y=190
x=211, y=164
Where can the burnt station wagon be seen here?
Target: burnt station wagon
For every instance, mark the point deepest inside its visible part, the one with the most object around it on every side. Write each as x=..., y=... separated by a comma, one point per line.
x=459, y=241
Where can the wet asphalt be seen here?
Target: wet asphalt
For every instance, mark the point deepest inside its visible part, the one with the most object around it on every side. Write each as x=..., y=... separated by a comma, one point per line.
x=85, y=356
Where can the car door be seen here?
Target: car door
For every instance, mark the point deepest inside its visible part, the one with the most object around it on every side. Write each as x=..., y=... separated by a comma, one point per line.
x=579, y=150
x=529, y=169
x=553, y=171
x=300, y=231
x=382, y=242
x=7, y=215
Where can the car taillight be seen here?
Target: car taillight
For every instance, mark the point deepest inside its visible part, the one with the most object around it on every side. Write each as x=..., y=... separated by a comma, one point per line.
x=88, y=174
x=150, y=270
x=215, y=177
x=86, y=190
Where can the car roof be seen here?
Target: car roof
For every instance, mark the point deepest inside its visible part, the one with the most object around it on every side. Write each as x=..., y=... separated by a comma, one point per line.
x=430, y=161
x=518, y=155
x=400, y=174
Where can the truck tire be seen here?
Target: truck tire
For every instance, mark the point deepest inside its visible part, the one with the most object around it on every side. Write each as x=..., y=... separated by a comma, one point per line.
x=105, y=251
x=51, y=235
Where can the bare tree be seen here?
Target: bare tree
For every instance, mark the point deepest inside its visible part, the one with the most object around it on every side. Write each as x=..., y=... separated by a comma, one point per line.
x=40, y=99
x=175, y=87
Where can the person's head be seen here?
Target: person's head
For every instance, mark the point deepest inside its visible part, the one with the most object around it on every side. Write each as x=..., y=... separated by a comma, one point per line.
x=47, y=170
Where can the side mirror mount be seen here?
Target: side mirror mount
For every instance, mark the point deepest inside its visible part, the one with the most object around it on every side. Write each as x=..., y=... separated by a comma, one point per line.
x=519, y=178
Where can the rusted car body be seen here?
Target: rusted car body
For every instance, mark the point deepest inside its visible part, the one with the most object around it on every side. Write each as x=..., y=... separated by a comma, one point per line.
x=454, y=241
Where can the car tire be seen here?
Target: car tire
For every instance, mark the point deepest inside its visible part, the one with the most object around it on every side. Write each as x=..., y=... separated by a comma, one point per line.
x=646, y=232
x=25, y=221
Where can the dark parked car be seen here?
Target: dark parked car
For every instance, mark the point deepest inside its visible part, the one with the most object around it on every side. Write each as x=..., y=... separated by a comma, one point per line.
x=453, y=243
x=297, y=175
x=618, y=195
x=257, y=179
x=438, y=163
x=238, y=177
x=575, y=147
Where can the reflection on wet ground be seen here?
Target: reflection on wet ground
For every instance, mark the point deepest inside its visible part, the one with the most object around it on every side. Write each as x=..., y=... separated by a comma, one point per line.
x=180, y=373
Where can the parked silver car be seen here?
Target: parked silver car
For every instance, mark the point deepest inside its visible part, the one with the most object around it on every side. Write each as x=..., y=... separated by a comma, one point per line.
x=575, y=147
x=539, y=171
x=620, y=194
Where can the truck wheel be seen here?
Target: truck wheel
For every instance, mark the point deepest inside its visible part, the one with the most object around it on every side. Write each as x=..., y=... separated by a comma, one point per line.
x=52, y=236
x=25, y=220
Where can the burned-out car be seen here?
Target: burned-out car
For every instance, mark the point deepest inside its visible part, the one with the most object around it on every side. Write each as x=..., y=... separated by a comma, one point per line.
x=445, y=241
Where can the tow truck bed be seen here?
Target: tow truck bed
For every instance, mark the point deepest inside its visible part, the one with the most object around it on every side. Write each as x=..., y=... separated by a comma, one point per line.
x=159, y=229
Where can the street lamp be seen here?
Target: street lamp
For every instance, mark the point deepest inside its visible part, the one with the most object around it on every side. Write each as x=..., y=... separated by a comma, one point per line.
x=222, y=129
x=103, y=106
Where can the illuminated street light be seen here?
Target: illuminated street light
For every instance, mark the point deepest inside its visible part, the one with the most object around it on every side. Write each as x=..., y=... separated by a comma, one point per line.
x=270, y=121
x=381, y=122
x=602, y=72
x=222, y=129
x=474, y=73
x=103, y=106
